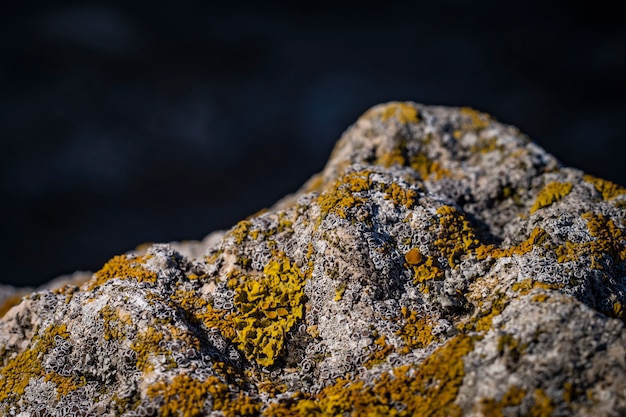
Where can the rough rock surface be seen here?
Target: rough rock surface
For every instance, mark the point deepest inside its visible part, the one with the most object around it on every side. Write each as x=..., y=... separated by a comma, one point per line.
x=441, y=264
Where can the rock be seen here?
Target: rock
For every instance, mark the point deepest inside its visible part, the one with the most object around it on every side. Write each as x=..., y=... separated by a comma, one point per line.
x=441, y=264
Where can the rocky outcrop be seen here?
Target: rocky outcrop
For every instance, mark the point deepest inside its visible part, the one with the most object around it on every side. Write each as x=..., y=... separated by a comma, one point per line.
x=441, y=264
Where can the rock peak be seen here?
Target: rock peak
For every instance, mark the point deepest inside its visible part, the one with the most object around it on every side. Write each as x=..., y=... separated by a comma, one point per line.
x=441, y=264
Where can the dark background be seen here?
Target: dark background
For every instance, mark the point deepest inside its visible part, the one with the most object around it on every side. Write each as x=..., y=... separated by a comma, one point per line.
x=126, y=122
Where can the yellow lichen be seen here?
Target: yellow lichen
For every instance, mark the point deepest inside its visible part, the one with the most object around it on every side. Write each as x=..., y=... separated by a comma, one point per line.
x=481, y=322
x=396, y=156
x=271, y=388
x=146, y=345
x=570, y=392
x=529, y=284
x=65, y=384
x=617, y=311
x=540, y=298
x=477, y=120
x=403, y=112
x=268, y=308
x=568, y=252
x=537, y=237
x=341, y=289
x=400, y=196
x=113, y=326
x=424, y=270
x=199, y=310
x=609, y=239
x=240, y=231
x=416, y=332
x=427, y=168
x=493, y=408
x=123, y=267
x=18, y=371
x=313, y=331
x=456, y=237
x=486, y=145
x=608, y=189
x=340, y=197
x=426, y=390
x=543, y=405
x=185, y=396
x=511, y=346
x=550, y=194
x=380, y=354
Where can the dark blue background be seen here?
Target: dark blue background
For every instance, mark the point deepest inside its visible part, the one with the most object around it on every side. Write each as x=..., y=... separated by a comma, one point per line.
x=126, y=122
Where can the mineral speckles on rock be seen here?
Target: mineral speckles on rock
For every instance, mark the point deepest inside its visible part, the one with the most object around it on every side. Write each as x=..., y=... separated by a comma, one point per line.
x=441, y=264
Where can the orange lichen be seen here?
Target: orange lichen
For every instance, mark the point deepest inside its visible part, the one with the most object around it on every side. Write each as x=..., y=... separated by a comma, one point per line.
x=123, y=267
x=608, y=189
x=416, y=332
x=403, y=112
x=413, y=257
x=550, y=194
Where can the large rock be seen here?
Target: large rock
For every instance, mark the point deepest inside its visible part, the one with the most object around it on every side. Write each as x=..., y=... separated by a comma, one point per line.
x=441, y=264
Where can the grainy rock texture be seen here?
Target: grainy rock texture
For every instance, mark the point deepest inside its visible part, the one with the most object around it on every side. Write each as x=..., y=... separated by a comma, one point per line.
x=441, y=264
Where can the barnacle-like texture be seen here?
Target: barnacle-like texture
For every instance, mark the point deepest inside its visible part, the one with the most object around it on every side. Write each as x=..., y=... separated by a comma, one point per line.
x=440, y=265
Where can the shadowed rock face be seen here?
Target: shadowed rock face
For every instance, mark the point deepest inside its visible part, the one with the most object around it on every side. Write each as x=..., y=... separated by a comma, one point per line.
x=441, y=264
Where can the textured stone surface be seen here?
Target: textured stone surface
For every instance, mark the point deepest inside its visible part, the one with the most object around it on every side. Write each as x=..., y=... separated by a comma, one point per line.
x=441, y=264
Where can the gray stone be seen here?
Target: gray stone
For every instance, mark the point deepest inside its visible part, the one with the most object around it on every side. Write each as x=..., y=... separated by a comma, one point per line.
x=441, y=264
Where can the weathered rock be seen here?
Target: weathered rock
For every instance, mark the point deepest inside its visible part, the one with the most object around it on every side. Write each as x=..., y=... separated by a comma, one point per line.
x=441, y=264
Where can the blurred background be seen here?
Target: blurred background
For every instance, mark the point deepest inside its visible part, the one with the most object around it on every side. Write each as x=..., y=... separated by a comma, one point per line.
x=127, y=122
